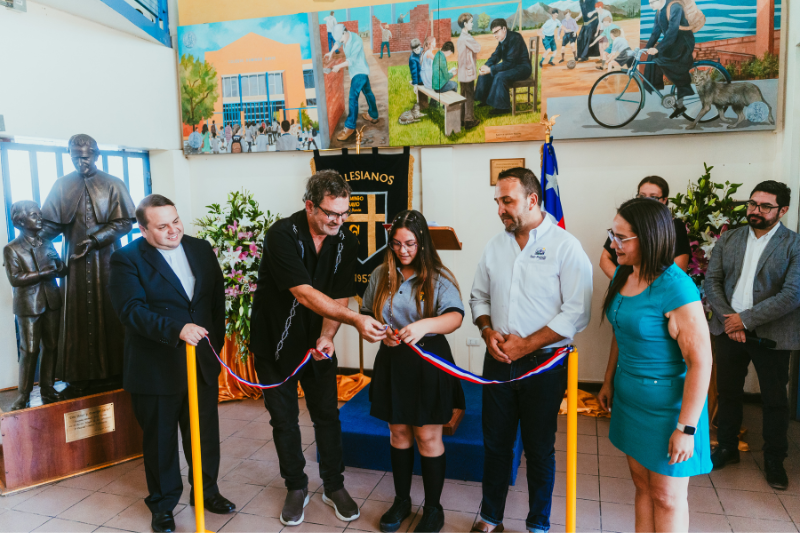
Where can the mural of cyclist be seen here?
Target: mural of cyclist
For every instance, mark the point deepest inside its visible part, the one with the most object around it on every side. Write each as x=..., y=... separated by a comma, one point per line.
x=674, y=53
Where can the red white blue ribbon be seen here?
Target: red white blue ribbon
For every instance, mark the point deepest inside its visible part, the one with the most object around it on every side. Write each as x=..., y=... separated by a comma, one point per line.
x=554, y=360
x=303, y=363
x=557, y=358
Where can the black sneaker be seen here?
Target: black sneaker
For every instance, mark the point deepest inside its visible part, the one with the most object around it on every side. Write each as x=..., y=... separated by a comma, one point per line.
x=293, y=512
x=776, y=474
x=724, y=456
x=399, y=511
x=432, y=520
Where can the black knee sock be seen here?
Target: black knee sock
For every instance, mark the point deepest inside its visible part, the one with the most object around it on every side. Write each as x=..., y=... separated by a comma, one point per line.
x=433, y=478
x=402, y=468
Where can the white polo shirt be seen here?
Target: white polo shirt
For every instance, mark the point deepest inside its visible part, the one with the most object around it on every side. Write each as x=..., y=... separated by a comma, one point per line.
x=548, y=283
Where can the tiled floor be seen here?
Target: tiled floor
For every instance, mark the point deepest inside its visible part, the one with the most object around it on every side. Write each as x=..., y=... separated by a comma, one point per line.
x=734, y=499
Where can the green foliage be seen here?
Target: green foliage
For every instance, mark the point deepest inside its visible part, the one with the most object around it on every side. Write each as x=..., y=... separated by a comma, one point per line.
x=708, y=209
x=483, y=21
x=307, y=122
x=236, y=232
x=198, y=89
x=765, y=68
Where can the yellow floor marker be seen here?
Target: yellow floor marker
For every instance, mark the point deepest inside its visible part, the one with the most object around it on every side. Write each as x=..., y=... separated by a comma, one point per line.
x=572, y=441
x=194, y=424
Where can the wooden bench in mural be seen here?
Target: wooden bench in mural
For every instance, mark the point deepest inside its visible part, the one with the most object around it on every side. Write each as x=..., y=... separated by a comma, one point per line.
x=452, y=102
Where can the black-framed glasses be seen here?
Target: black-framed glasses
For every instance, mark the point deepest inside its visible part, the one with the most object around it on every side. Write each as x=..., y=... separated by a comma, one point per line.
x=616, y=239
x=333, y=215
x=397, y=246
x=761, y=208
x=659, y=198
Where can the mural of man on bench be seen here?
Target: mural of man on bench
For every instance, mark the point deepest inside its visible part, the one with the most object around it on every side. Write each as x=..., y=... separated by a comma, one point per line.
x=510, y=62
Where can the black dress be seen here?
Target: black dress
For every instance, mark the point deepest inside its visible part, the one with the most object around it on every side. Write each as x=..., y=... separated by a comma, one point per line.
x=406, y=389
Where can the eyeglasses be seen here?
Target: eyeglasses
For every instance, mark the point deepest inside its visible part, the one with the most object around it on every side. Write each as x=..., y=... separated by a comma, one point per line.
x=761, y=208
x=397, y=246
x=617, y=240
x=659, y=198
x=332, y=215
x=497, y=30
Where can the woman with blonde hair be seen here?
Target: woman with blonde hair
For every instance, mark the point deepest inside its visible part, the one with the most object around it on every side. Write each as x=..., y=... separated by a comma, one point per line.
x=417, y=297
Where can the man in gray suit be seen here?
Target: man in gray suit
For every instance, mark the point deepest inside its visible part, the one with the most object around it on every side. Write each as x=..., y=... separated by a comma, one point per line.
x=753, y=286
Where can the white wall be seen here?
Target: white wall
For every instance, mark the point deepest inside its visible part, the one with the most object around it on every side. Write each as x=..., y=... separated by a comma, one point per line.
x=61, y=75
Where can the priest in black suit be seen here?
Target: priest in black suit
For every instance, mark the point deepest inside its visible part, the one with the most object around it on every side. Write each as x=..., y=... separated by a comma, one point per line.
x=510, y=62
x=168, y=290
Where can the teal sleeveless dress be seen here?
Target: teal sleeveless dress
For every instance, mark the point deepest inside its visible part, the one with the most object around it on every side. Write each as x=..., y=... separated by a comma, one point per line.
x=648, y=384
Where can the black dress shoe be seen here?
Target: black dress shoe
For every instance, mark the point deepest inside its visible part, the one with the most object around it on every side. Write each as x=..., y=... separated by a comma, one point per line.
x=217, y=504
x=776, y=474
x=163, y=522
x=432, y=519
x=724, y=456
x=399, y=511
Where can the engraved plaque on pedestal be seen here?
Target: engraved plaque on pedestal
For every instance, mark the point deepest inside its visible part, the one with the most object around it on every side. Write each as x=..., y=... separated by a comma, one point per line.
x=89, y=422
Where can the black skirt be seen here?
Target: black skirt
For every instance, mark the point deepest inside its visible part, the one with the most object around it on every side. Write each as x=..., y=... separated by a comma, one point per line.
x=406, y=389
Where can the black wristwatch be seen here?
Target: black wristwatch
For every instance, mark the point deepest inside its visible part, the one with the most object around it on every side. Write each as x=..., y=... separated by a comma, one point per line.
x=689, y=430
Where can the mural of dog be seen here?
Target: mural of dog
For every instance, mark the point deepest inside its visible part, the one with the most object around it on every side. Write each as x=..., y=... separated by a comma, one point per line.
x=737, y=96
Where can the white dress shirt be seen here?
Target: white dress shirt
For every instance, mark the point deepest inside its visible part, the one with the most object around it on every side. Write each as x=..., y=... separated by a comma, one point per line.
x=176, y=259
x=548, y=283
x=742, y=298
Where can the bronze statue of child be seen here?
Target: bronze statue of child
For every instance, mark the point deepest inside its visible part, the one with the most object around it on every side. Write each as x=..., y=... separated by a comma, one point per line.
x=32, y=266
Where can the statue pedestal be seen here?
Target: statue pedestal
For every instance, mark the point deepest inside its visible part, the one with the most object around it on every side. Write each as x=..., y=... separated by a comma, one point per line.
x=65, y=439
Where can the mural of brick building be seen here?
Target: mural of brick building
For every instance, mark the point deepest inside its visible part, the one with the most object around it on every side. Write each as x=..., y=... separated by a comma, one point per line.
x=419, y=26
x=334, y=82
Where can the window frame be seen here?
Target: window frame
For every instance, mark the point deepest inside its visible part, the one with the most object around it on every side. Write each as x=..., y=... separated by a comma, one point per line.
x=60, y=151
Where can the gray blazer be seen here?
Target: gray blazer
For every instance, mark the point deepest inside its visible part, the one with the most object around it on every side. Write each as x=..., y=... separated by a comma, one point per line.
x=775, y=313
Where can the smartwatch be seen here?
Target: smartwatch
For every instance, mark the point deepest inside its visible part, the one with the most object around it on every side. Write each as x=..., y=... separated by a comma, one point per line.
x=689, y=430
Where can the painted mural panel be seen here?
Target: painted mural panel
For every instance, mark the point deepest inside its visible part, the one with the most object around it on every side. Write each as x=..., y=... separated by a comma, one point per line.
x=712, y=67
x=447, y=72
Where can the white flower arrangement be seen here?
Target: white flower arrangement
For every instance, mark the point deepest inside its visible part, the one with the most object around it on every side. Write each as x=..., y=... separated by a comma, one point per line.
x=236, y=231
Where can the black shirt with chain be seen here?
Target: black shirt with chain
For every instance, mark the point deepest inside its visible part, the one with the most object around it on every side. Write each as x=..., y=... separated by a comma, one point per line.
x=282, y=329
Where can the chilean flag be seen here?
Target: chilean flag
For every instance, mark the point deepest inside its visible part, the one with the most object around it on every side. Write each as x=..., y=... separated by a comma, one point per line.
x=552, y=197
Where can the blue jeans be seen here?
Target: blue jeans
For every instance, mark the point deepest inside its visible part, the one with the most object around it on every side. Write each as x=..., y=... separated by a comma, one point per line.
x=331, y=42
x=386, y=44
x=532, y=404
x=360, y=84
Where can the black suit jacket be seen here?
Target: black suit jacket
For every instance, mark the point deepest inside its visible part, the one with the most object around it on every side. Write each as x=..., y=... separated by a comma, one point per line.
x=511, y=54
x=153, y=307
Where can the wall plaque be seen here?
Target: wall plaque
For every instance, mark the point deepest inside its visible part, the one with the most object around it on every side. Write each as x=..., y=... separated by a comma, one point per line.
x=89, y=422
x=496, y=166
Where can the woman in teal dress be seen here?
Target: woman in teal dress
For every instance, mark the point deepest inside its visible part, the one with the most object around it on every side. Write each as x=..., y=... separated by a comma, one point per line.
x=659, y=367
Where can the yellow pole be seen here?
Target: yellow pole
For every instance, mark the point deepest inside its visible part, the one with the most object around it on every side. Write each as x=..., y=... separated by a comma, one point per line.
x=194, y=424
x=572, y=441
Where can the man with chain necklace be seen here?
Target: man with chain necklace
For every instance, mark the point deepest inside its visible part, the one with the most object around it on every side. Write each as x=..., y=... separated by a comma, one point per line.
x=306, y=276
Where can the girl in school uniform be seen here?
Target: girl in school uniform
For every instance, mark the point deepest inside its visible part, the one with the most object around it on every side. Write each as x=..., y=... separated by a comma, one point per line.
x=413, y=293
